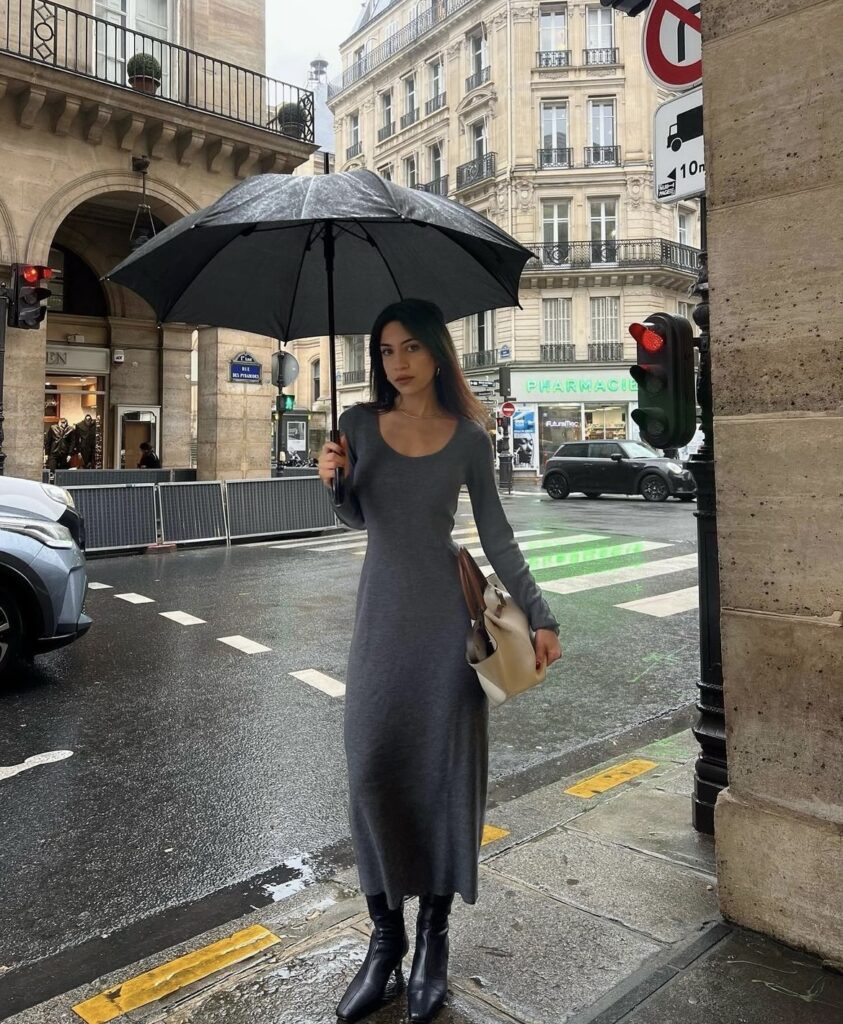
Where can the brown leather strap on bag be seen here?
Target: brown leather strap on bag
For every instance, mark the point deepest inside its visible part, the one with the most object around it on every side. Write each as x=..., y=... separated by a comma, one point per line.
x=473, y=583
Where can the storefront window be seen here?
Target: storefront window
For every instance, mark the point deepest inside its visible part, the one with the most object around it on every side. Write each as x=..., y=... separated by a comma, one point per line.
x=557, y=424
x=605, y=422
x=73, y=422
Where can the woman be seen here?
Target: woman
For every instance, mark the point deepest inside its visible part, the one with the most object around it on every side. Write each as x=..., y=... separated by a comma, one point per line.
x=416, y=717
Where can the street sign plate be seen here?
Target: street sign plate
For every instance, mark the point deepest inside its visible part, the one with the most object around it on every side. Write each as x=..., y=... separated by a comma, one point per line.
x=508, y=409
x=482, y=382
x=672, y=43
x=679, y=154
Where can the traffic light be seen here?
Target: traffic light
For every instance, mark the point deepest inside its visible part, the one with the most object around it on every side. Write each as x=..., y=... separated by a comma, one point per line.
x=630, y=7
x=667, y=408
x=25, y=309
x=504, y=380
x=285, y=403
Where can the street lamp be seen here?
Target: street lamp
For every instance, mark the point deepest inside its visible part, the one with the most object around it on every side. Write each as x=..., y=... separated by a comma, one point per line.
x=143, y=226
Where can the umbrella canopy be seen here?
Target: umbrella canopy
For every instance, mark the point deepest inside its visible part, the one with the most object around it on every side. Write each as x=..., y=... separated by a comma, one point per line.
x=255, y=260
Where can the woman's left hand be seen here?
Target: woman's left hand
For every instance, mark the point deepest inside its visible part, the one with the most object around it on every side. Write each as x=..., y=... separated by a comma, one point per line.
x=548, y=649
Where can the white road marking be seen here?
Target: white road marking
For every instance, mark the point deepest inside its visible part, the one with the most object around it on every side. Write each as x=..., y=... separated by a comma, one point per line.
x=350, y=545
x=532, y=545
x=49, y=757
x=303, y=542
x=663, y=605
x=244, y=644
x=320, y=681
x=182, y=618
x=135, y=598
x=479, y=551
x=100, y=586
x=628, y=574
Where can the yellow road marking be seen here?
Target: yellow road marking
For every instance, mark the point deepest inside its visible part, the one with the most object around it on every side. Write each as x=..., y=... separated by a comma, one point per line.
x=491, y=833
x=611, y=777
x=185, y=970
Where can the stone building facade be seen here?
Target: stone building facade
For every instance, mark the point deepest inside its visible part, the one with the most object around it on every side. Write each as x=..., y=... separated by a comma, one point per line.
x=539, y=116
x=72, y=130
x=773, y=139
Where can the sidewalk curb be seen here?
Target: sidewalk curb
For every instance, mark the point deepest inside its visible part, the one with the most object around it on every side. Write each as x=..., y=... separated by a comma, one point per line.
x=660, y=971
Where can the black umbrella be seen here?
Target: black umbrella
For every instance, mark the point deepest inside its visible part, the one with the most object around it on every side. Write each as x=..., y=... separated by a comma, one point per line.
x=298, y=257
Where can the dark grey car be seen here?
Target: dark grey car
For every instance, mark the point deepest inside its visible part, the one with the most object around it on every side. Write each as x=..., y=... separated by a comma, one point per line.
x=616, y=467
x=42, y=587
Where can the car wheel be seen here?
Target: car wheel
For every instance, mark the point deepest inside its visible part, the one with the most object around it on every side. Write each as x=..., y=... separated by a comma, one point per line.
x=685, y=497
x=11, y=630
x=592, y=494
x=557, y=486
x=654, y=488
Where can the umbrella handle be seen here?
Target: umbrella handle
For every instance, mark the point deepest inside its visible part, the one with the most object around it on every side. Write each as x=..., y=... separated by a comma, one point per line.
x=338, y=487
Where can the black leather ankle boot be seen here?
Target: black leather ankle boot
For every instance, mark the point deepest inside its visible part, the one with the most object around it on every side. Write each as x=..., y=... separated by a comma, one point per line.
x=387, y=948
x=428, y=985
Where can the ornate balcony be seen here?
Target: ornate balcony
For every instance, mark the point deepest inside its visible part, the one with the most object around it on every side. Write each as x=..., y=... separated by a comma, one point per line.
x=354, y=377
x=553, y=58
x=438, y=187
x=600, y=56
x=476, y=360
x=434, y=103
x=558, y=352
x=354, y=150
x=602, y=156
x=60, y=38
x=623, y=253
x=386, y=132
x=554, y=158
x=476, y=170
x=478, y=79
x=409, y=118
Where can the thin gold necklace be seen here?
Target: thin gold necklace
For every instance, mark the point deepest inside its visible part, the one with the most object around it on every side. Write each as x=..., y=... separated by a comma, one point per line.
x=438, y=416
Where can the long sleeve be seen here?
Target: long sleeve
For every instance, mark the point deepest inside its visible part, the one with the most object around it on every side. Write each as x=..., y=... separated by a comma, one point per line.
x=497, y=539
x=349, y=511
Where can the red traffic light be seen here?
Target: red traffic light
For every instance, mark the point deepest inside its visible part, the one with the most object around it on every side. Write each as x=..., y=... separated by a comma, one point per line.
x=33, y=274
x=647, y=338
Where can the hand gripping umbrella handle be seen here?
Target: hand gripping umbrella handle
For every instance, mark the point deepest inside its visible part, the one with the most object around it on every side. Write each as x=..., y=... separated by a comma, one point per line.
x=338, y=483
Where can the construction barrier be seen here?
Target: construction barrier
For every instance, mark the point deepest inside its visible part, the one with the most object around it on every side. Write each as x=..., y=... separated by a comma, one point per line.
x=271, y=507
x=192, y=513
x=117, y=516
x=87, y=477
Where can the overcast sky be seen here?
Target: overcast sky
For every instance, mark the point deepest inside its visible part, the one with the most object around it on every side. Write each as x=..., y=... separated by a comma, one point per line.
x=297, y=31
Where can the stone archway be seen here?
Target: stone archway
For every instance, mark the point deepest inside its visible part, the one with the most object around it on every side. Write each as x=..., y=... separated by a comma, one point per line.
x=8, y=238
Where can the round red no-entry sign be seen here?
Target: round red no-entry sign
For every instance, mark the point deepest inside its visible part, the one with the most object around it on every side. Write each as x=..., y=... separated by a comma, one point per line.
x=673, y=43
x=508, y=409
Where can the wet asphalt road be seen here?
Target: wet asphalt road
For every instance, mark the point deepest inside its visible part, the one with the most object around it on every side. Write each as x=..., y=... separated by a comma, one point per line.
x=196, y=766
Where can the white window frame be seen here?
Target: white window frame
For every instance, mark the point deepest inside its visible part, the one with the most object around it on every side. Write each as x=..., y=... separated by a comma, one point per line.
x=480, y=331
x=410, y=91
x=354, y=128
x=123, y=14
x=553, y=107
x=552, y=221
x=387, y=112
x=474, y=138
x=553, y=28
x=683, y=227
x=598, y=20
x=354, y=352
x=608, y=221
x=386, y=172
x=411, y=171
x=605, y=318
x=436, y=78
x=477, y=51
x=556, y=320
x=434, y=147
x=315, y=378
x=602, y=102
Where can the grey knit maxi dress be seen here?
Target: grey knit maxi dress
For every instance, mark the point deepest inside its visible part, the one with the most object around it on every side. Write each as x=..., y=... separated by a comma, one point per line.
x=416, y=718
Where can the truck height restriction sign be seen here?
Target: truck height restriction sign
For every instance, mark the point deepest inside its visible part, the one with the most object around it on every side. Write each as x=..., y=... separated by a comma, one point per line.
x=678, y=148
x=672, y=43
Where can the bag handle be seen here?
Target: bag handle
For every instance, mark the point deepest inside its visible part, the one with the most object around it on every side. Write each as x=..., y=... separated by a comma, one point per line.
x=473, y=583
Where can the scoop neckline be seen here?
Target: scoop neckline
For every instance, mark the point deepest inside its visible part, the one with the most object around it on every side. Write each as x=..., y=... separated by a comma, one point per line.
x=401, y=455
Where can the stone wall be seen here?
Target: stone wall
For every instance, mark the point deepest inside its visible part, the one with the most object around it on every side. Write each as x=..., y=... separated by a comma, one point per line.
x=773, y=133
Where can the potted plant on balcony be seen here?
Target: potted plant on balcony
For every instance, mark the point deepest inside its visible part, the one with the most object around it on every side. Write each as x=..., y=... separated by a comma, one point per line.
x=144, y=73
x=290, y=120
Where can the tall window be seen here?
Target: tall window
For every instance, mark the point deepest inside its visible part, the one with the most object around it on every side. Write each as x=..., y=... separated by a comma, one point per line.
x=603, y=217
x=359, y=58
x=480, y=332
x=599, y=29
x=436, y=79
x=601, y=122
x=410, y=172
x=315, y=379
x=555, y=226
x=353, y=129
x=556, y=319
x=354, y=353
x=436, y=167
x=151, y=17
x=386, y=108
x=386, y=172
x=478, y=139
x=555, y=126
x=605, y=319
x=476, y=53
x=409, y=94
x=684, y=227
x=553, y=27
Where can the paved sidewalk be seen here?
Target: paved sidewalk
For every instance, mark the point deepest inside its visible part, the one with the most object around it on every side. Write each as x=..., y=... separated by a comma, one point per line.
x=595, y=908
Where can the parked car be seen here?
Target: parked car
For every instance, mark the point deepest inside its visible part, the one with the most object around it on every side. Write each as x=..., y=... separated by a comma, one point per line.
x=55, y=503
x=42, y=586
x=615, y=467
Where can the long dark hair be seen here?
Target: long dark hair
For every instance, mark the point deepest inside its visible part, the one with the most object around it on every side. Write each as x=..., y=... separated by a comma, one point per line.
x=424, y=320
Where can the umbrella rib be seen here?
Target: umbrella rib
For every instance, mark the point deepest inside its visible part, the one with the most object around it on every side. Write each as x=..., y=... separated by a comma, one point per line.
x=305, y=249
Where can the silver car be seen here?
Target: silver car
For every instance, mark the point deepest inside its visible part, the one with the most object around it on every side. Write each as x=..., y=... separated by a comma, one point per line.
x=42, y=586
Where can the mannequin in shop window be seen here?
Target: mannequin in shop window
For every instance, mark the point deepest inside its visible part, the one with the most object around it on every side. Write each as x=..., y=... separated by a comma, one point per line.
x=58, y=444
x=86, y=442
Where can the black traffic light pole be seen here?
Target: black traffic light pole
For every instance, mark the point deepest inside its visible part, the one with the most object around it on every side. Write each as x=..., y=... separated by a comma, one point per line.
x=5, y=299
x=710, y=772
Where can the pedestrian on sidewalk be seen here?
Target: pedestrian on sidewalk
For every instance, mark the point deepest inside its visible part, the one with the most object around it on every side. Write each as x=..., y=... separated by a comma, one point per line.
x=416, y=717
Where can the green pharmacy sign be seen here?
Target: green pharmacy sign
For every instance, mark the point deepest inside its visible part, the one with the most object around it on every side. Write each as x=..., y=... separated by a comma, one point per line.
x=580, y=385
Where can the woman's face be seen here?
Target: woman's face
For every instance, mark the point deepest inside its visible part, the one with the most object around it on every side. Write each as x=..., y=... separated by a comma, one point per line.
x=409, y=366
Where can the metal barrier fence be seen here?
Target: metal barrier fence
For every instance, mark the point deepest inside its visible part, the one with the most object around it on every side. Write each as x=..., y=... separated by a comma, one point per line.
x=263, y=508
x=192, y=512
x=87, y=477
x=117, y=516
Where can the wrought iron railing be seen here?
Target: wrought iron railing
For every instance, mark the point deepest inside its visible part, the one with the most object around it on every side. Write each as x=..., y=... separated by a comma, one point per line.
x=621, y=252
x=354, y=377
x=605, y=351
x=433, y=16
x=355, y=149
x=554, y=158
x=558, y=352
x=478, y=78
x=73, y=41
x=553, y=58
x=439, y=186
x=600, y=55
x=474, y=360
x=434, y=103
x=476, y=170
x=602, y=156
x=386, y=132
x=409, y=118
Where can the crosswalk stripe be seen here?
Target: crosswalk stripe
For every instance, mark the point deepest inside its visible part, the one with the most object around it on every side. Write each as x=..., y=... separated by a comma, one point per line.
x=244, y=644
x=627, y=574
x=339, y=540
x=182, y=618
x=100, y=586
x=663, y=605
x=318, y=680
x=134, y=598
x=532, y=545
x=518, y=533
x=351, y=544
